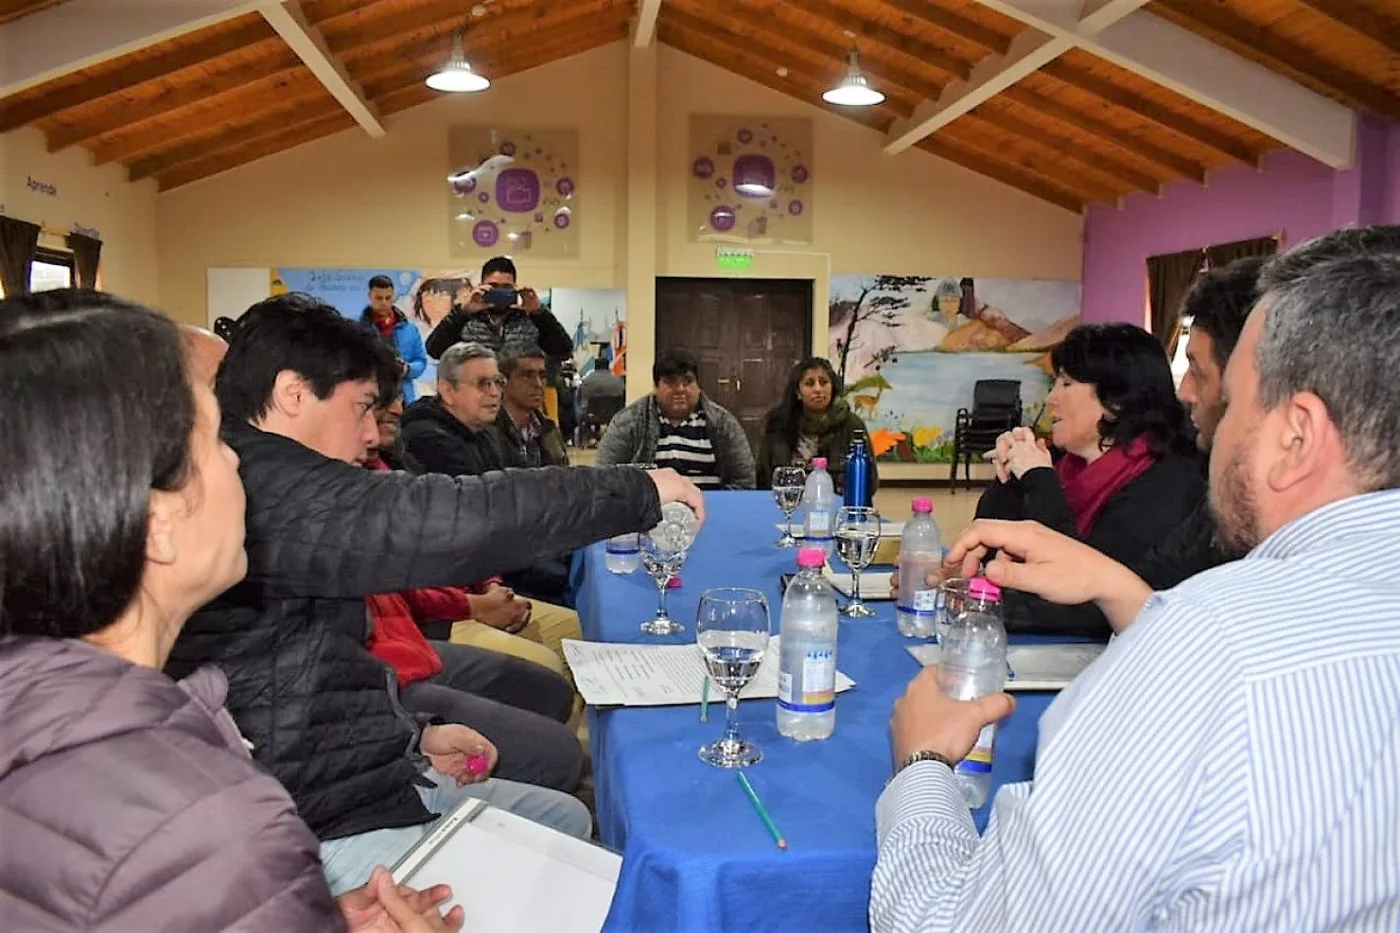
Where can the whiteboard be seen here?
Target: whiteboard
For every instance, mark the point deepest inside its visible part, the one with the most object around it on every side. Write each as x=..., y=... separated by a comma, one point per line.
x=230, y=291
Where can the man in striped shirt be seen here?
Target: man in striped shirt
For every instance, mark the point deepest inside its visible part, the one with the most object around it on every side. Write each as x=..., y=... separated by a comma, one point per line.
x=1232, y=761
x=677, y=426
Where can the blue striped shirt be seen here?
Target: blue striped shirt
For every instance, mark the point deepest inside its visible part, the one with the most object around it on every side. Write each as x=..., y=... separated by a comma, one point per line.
x=1230, y=763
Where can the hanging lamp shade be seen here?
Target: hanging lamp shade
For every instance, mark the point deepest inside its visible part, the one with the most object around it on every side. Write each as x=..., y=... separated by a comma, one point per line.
x=456, y=75
x=853, y=90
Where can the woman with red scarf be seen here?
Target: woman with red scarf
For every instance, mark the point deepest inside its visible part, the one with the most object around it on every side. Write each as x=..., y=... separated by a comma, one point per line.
x=1128, y=471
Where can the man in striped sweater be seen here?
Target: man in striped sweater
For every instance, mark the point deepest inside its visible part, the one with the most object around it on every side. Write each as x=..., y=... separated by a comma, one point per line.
x=678, y=427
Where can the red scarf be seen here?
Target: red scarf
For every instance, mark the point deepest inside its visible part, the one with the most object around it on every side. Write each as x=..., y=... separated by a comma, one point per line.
x=1088, y=486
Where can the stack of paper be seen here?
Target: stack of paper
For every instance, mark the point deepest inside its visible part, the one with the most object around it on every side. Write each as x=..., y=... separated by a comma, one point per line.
x=1032, y=667
x=608, y=674
x=498, y=864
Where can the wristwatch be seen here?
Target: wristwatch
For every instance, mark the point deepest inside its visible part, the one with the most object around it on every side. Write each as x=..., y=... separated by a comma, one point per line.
x=922, y=756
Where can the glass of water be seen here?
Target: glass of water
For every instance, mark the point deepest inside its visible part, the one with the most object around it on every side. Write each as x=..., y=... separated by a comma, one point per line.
x=951, y=601
x=788, y=484
x=731, y=627
x=664, y=550
x=857, y=537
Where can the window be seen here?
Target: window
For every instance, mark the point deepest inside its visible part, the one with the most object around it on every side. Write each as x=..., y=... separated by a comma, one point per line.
x=51, y=269
x=1179, y=358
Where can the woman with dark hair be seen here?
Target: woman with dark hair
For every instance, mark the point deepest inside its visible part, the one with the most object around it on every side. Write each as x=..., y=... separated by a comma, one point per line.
x=129, y=801
x=1128, y=473
x=812, y=421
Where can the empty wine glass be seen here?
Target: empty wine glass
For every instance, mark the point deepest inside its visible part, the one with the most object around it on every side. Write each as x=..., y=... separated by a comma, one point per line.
x=788, y=484
x=857, y=537
x=731, y=627
x=663, y=553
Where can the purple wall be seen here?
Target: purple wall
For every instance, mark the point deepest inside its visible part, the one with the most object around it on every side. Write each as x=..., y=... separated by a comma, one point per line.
x=1292, y=195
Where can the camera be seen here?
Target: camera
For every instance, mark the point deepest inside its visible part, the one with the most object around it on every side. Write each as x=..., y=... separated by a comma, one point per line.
x=501, y=297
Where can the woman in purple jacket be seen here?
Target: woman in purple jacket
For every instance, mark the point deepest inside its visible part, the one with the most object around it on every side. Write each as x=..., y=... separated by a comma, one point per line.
x=129, y=801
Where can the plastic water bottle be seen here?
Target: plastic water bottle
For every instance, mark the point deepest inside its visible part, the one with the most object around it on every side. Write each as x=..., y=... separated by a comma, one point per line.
x=920, y=554
x=807, y=652
x=819, y=497
x=972, y=664
x=623, y=554
x=858, y=491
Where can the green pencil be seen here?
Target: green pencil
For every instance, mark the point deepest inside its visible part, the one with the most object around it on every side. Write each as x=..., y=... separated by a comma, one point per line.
x=758, y=808
x=705, y=701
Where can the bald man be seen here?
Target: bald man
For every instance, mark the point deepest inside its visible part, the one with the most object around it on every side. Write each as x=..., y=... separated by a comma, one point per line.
x=206, y=351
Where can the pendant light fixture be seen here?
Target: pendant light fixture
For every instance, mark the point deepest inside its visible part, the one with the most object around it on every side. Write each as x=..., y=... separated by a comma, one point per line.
x=456, y=76
x=853, y=90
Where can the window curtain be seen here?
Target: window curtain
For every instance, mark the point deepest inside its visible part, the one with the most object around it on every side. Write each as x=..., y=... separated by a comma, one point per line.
x=19, y=241
x=87, y=253
x=1225, y=253
x=1169, y=278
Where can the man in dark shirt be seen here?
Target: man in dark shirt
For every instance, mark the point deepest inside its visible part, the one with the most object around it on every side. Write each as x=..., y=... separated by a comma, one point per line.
x=532, y=437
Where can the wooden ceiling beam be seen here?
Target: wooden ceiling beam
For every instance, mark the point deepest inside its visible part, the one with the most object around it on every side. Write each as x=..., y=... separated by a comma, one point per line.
x=825, y=74
x=647, y=11
x=1164, y=117
x=252, y=149
x=1066, y=148
x=14, y=9
x=811, y=41
x=322, y=13
x=950, y=22
x=975, y=161
x=198, y=89
x=504, y=61
x=232, y=134
x=287, y=18
x=1047, y=167
x=1220, y=25
x=1360, y=21
x=730, y=59
x=1133, y=145
x=254, y=35
x=841, y=18
x=164, y=134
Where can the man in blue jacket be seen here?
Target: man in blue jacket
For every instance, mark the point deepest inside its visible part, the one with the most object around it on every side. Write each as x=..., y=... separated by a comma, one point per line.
x=397, y=331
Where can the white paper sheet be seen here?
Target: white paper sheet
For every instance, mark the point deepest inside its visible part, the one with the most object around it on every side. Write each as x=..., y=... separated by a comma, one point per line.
x=608, y=674
x=874, y=586
x=1036, y=667
x=498, y=864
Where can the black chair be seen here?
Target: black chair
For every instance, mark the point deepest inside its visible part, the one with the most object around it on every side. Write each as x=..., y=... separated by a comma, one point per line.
x=996, y=407
x=596, y=415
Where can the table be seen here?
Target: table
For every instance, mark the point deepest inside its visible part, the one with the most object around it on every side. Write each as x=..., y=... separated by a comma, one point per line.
x=695, y=856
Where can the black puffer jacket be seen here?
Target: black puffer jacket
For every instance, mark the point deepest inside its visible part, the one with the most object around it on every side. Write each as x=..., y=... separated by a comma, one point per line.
x=322, y=535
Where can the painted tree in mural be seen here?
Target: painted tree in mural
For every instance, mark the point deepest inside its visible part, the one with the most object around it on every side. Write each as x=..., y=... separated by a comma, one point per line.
x=879, y=300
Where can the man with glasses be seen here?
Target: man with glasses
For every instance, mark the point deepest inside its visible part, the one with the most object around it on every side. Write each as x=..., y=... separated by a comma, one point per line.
x=454, y=431
x=529, y=435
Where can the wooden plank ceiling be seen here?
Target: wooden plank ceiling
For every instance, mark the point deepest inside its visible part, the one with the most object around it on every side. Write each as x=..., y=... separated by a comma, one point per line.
x=1077, y=130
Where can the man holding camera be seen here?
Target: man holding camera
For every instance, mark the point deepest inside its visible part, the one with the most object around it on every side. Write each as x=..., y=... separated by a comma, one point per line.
x=503, y=317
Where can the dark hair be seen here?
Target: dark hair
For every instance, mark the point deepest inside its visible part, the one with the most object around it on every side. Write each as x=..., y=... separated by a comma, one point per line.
x=509, y=359
x=1220, y=302
x=498, y=264
x=786, y=417
x=302, y=333
x=1131, y=376
x=673, y=363
x=381, y=281
x=99, y=411
x=443, y=286
x=225, y=327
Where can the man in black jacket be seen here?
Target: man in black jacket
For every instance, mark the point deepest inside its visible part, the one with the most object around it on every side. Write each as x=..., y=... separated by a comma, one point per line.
x=320, y=712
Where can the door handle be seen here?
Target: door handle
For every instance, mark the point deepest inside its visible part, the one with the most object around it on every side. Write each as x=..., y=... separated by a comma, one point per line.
x=724, y=382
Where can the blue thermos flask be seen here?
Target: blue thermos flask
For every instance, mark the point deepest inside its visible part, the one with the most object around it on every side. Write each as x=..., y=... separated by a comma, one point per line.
x=858, y=491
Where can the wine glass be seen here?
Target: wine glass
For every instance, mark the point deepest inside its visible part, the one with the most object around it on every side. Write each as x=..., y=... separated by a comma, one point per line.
x=663, y=553
x=788, y=485
x=950, y=603
x=731, y=627
x=857, y=537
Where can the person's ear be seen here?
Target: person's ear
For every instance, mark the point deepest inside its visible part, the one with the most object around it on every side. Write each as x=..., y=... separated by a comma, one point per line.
x=1301, y=441
x=289, y=392
x=162, y=516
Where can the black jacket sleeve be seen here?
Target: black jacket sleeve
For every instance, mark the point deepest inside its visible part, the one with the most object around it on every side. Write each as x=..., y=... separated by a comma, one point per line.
x=318, y=528
x=447, y=332
x=1187, y=551
x=437, y=452
x=554, y=339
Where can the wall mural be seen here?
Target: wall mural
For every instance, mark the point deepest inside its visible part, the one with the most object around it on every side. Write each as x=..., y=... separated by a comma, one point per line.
x=911, y=347
x=750, y=180
x=513, y=191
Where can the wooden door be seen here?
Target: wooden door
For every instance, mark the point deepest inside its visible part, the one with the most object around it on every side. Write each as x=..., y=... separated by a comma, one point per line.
x=747, y=334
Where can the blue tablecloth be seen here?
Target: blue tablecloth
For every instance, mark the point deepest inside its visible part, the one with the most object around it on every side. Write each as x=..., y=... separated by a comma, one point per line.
x=695, y=856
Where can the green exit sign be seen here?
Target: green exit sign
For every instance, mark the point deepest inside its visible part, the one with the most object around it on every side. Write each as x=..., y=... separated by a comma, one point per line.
x=728, y=257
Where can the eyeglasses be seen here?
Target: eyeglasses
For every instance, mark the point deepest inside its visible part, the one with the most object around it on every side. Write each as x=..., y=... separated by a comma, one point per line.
x=486, y=383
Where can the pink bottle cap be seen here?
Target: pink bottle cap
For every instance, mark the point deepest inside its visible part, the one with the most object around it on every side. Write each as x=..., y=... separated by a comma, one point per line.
x=819, y=463
x=476, y=764
x=811, y=557
x=982, y=588
x=921, y=506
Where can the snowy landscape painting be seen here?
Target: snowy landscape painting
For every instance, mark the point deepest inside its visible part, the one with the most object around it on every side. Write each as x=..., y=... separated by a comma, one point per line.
x=910, y=348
